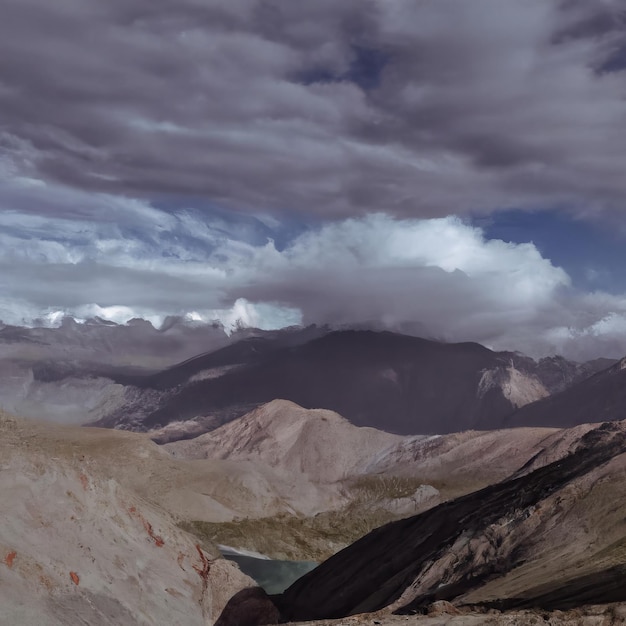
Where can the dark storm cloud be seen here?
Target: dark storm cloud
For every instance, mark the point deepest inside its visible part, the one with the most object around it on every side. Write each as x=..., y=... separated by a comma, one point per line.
x=331, y=108
x=130, y=129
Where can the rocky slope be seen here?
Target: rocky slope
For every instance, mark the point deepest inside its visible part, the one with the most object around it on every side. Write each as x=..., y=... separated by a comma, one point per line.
x=318, y=443
x=357, y=477
x=444, y=614
x=92, y=519
x=552, y=536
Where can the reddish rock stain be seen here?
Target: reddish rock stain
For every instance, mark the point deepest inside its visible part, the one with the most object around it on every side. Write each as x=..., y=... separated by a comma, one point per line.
x=158, y=541
x=75, y=578
x=9, y=558
x=203, y=572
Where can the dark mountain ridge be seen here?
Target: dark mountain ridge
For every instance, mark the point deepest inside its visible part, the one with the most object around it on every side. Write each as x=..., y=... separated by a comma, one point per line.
x=114, y=376
x=394, y=382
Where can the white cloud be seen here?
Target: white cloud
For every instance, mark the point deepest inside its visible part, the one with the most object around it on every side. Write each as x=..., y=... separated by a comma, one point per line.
x=276, y=107
x=436, y=277
x=441, y=274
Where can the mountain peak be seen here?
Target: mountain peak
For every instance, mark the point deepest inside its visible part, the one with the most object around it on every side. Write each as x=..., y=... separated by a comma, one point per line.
x=280, y=433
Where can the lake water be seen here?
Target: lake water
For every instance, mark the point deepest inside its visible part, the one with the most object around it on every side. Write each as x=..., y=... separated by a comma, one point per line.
x=273, y=575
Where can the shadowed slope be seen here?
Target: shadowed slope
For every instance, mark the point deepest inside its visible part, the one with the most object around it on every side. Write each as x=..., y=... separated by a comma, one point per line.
x=393, y=382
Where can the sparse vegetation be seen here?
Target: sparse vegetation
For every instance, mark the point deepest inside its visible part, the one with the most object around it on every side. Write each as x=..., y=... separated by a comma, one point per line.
x=318, y=537
x=376, y=487
x=290, y=537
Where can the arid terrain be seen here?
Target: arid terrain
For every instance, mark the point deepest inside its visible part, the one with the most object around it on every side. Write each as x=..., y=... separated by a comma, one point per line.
x=442, y=614
x=507, y=526
x=81, y=542
x=507, y=520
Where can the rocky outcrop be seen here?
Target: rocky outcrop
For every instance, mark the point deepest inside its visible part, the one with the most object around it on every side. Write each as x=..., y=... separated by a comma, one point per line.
x=249, y=607
x=78, y=546
x=518, y=387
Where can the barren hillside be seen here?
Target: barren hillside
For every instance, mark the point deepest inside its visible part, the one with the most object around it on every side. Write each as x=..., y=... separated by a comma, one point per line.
x=78, y=546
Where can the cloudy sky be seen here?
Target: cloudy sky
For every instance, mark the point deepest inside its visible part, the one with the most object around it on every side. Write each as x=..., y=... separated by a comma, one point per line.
x=449, y=168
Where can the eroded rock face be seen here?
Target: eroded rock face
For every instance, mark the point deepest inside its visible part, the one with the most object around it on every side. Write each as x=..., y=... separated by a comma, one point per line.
x=598, y=397
x=442, y=607
x=459, y=548
x=518, y=387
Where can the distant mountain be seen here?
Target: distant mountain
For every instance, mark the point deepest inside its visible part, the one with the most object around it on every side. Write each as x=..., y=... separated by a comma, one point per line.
x=187, y=378
x=393, y=382
x=316, y=442
x=137, y=344
x=597, y=398
x=75, y=373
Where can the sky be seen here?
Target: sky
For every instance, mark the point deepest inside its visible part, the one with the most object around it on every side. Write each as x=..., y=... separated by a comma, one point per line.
x=445, y=168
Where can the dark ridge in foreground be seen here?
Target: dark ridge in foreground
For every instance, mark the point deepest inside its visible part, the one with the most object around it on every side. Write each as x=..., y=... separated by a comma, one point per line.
x=411, y=557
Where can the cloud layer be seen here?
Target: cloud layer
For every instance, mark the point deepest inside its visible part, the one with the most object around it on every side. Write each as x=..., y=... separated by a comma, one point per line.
x=334, y=109
x=435, y=277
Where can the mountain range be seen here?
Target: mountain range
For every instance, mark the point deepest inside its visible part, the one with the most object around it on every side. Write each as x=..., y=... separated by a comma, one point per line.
x=402, y=384
x=424, y=477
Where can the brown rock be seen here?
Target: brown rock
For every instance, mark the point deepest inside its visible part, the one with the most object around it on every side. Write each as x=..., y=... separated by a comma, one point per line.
x=442, y=607
x=9, y=558
x=249, y=607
